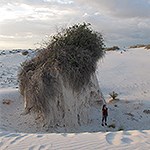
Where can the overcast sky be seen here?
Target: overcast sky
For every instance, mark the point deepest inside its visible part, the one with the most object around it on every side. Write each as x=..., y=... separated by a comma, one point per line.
x=24, y=23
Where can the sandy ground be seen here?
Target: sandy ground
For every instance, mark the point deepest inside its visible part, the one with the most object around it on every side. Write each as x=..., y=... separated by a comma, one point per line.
x=126, y=73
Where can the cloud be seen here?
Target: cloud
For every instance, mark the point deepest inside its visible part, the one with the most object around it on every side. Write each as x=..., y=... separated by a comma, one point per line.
x=19, y=20
x=120, y=8
x=120, y=21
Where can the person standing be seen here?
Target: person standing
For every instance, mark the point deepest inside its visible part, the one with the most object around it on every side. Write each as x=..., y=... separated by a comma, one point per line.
x=104, y=114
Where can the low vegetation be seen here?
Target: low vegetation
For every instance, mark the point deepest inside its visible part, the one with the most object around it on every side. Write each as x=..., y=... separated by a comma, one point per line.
x=25, y=53
x=141, y=46
x=147, y=46
x=114, y=48
x=137, y=46
x=146, y=111
x=113, y=95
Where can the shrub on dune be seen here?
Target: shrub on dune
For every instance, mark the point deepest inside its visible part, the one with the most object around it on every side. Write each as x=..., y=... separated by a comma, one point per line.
x=67, y=63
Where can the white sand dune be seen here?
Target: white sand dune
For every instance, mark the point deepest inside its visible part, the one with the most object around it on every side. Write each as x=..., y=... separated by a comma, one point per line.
x=126, y=73
x=110, y=140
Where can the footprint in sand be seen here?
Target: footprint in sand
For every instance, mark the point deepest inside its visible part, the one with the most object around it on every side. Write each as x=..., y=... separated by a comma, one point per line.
x=118, y=138
x=32, y=147
x=110, y=137
x=41, y=147
x=39, y=136
x=126, y=140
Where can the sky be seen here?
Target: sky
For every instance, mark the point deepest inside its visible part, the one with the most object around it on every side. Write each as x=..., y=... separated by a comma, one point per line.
x=28, y=23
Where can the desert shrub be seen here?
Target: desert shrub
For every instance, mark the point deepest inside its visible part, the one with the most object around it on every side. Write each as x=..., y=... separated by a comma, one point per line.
x=146, y=111
x=77, y=49
x=114, y=48
x=147, y=46
x=25, y=53
x=137, y=46
x=73, y=53
x=113, y=95
x=140, y=46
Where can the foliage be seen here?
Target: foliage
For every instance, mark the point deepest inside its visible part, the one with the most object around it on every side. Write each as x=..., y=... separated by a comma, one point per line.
x=75, y=52
x=147, y=46
x=114, y=48
x=140, y=46
x=137, y=46
x=113, y=95
x=71, y=55
x=77, y=49
x=25, y=53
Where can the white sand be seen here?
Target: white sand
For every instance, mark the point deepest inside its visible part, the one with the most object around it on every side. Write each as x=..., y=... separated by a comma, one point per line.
x=126, y=73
